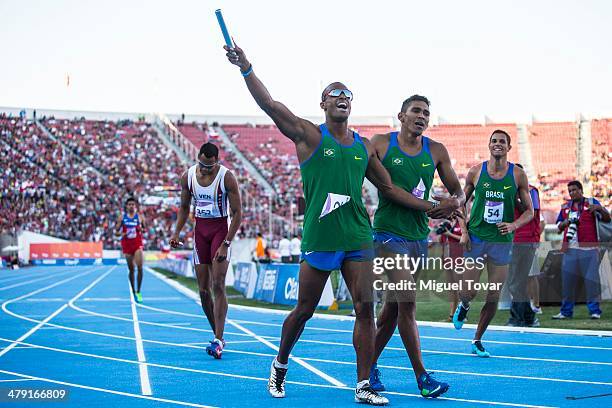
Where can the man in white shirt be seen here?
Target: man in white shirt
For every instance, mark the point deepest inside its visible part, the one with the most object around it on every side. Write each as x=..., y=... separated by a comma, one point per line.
x=284, y=247
x=295, y=249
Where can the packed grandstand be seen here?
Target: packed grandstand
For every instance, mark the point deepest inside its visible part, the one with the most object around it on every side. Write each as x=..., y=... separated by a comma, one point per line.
x=77, y=172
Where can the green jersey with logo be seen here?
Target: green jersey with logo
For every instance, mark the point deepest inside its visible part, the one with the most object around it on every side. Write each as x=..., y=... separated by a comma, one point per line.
x=335, y=218
x=493, y=203
x=414, y=174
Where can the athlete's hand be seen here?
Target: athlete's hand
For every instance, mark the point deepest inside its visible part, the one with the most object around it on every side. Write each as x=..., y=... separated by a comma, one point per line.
x=221, y=254
x=465, y=241
x=174, y=241
x=237, y=57
x=506, y=228
x=447, y=207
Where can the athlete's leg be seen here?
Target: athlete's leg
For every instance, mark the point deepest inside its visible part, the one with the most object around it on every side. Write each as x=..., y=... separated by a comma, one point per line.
x=359, y=278
x=385, y=325
x=203, y=276
x=311, y=284
x=497, y=274
x=219, y=270
x=453, y=295
x=138, y=261
x=130, y=264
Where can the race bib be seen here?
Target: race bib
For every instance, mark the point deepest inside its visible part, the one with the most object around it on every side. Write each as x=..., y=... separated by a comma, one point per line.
x=131, y=233
x=419, y=190
x=333, y=202
x=494, y=212
x=203, y=209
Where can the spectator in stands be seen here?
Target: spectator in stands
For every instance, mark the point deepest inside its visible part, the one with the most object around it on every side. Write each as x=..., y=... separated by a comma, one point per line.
x=284, y=248
x=525, y=244
x=577, y=222
x=260, y=247
x=296, y=249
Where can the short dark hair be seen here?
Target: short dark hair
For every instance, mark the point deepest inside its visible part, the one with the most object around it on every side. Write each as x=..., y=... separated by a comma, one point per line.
x=414, y=98
x=209, y=150
x=503, y=132
x=130, y=199
x=575, y=183
x=519, y=165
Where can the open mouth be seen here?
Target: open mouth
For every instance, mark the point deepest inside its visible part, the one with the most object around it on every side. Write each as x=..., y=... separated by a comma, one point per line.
x=342, y=105
x=419, y=124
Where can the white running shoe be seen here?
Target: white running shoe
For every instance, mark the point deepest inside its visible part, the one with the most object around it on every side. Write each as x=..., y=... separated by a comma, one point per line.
x=276, y=383
x=366, y=395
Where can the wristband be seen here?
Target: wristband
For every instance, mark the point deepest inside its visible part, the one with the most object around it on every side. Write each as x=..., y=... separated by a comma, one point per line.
x=248, y=71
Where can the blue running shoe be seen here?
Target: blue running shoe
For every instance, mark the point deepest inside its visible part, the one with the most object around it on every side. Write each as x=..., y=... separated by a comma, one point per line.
x=215, y=349
x=479, y=350
x=430, y=387
x=375, y=382
x=460, y=315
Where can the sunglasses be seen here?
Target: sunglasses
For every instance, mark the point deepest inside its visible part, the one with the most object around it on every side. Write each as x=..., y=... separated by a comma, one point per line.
x=337, y=92
x=207, y=166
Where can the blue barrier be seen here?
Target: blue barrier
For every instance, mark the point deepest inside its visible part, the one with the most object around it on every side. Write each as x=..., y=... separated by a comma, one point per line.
x=245, y=278
x=278, y=283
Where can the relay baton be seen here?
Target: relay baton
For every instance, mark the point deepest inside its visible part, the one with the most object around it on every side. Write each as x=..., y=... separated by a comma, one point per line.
x=226, y=36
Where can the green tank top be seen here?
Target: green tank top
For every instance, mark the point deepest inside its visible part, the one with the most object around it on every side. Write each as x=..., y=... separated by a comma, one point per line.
x=414, y=174
x=493, y=203
x=335, y=218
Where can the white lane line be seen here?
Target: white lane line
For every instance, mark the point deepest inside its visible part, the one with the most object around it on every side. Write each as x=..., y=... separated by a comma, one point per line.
x=191, y=295
x=193, y=370
x=145, y=384
x=25, y=276
x=269, y=355
x=169, y=325
x=395, y=348
x=394, y=335
x=42, y=322
x=438, y=337
x=298, y=360
x=523, y=330
x=16, y=285
x=16, y=380
x=87, y=387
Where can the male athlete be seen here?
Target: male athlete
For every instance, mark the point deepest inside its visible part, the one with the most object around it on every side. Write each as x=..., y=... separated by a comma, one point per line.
x=490, y=229
x=210, y=185
x=337, y=234
x=130, y=223
x=411, y=159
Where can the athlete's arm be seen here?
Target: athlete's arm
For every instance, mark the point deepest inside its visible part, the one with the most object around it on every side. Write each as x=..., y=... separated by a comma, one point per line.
x=143, y=221
x=233, y=196
x=448, y=177
x=119, y=224
x=523, y=191
x=380, y=177
x=299, y=130
x=183, y=211
x=468, y=190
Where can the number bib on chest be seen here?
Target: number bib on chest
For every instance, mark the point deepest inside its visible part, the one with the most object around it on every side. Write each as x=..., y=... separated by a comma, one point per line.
x=203, y=208
x=131, y=233
x=494, y=212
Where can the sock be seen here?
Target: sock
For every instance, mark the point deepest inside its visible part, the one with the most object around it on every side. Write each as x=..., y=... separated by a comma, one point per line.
x=466, y=305
x=362, y=384
x=279, y=365
x=219, y=342
x=475, y=341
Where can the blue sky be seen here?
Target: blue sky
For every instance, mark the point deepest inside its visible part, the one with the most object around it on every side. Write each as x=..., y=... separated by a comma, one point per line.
x=508, y=60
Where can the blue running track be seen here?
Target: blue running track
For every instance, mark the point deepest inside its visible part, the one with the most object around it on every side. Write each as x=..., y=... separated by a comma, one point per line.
x=76, y=328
